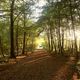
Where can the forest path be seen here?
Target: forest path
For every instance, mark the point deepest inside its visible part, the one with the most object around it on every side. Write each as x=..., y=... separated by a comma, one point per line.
x=37, y=67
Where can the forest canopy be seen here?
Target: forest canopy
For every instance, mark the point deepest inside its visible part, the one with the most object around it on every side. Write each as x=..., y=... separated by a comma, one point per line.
x=56, y=22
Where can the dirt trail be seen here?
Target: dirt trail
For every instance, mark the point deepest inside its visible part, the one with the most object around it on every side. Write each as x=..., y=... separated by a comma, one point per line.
x=37, y=68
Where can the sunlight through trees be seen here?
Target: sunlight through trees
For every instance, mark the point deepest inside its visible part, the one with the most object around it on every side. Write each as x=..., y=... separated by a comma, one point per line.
x=23, y=21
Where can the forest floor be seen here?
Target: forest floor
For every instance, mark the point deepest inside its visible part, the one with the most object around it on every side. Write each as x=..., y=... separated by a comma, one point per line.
x=38, y=66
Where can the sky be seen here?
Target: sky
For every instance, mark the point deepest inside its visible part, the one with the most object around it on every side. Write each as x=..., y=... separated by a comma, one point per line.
x=38, y=9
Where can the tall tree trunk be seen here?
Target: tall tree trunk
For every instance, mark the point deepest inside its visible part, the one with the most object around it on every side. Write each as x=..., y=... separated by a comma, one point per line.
x=54, y=43
x=62, y=42
x=51, y=36
x=23, y=50
x=32, y=44
x=73, y=27
x=59, y=26
x=1, y=47
x=59, y=40
x=17, y=38
x=12, y=55
x=48, y=37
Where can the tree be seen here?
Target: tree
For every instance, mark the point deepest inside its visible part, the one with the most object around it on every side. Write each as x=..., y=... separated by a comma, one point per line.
x=12, y=54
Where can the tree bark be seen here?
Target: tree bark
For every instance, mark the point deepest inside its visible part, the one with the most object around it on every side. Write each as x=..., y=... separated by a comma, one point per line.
x=23, y=50
x=12, y=54
x=17, y=38
x=73, y=27
x=48, y=37
x=1, y=47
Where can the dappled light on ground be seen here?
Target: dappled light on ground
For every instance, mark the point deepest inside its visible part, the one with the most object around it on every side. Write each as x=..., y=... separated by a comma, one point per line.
x=75, y=76
x=36, y=67
x=20, y=57
x=12, y=61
